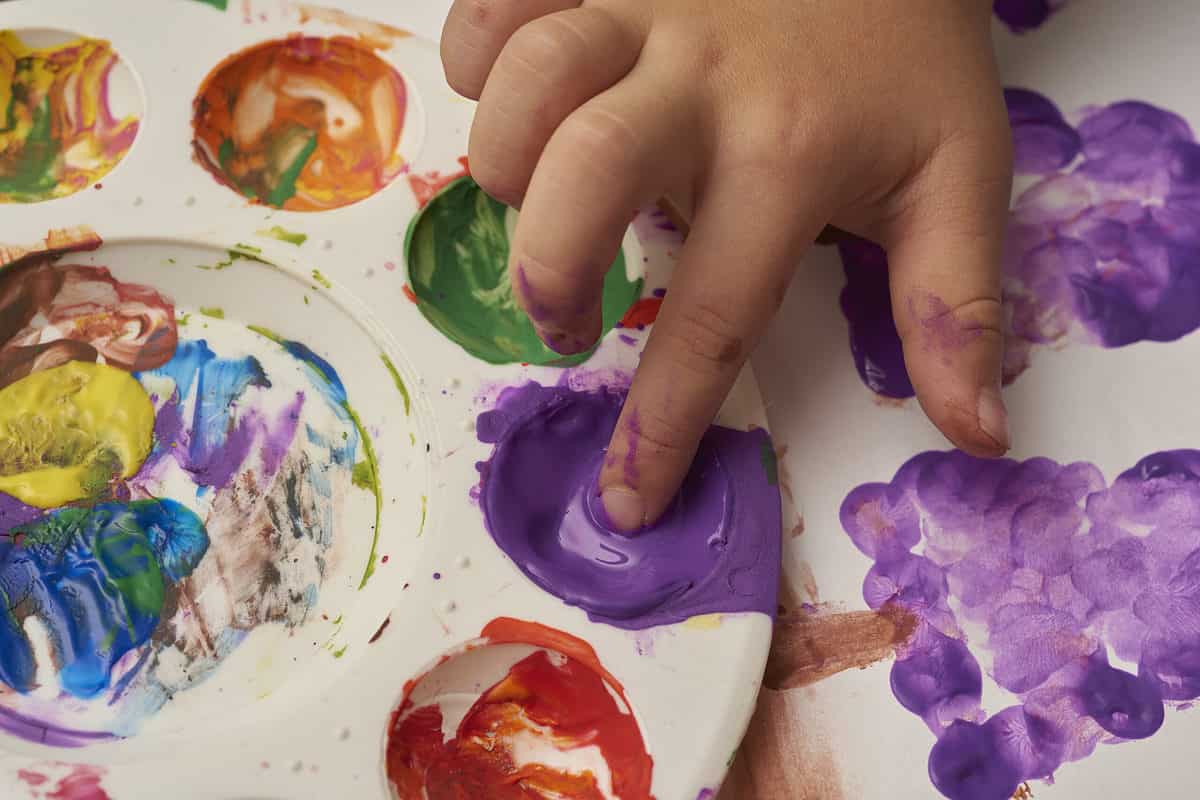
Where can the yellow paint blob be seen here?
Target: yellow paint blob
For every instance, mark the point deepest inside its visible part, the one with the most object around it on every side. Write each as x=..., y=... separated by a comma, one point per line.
x=67, y=432
x=703, y=622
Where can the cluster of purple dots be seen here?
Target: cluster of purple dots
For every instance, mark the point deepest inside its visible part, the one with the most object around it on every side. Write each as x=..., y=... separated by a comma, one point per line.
x=1080, y=599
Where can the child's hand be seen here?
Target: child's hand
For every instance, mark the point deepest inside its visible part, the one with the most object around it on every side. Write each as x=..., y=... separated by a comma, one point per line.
x=764, y=120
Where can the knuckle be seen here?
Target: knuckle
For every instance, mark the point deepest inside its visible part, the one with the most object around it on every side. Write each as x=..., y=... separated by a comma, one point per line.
x=600, y=138
x=779, y=138
x=655, y=432
x=706, y=339
x=546, y=50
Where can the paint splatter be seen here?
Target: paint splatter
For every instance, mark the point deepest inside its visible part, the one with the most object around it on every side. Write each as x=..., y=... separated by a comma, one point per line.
x=305, y=123
x=1076, y=597
x=396, y=379
x=321, y=279
x=428, y=186
x=642, y=313
x=458, y=252
x=715, y=550
x=1102, y=250
x=284, y=235
x=213, y=312
x=58, y=134
x=557, y=724
x=1022, y=16
x=74, y=782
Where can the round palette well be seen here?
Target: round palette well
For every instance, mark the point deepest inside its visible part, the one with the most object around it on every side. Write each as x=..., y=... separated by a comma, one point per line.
x=265, y=547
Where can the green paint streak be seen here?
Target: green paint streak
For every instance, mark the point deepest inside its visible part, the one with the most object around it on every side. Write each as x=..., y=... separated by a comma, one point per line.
x=321, y=279
x=284, y=235
x=240, y=252
x=387, y=362
x=226, y=151
x=183, y=319
x=287, y=157
x=369, y=448
x=215, y=313
x=424, y=508
x=218, y=4
x=458, y=250
x=341, y=652
x=363, y=477
x=338, y=621
x=378, y=490
x=170, y=261
x=32, y=177
x=306, y=300
x=769, y=463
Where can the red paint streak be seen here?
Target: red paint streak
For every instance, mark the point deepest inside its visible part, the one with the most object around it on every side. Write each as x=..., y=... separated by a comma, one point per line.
x=83, y=783
x=567, y=696
x=425, y=187
x=31, y=778
x=383, y=627
x=641, y=313
x=410, y=294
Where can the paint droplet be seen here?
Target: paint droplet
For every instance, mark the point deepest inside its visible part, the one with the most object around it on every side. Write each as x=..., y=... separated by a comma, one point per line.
x=297, y=766
x=390, y=266
x=99, y=186
x=450, y=606
x=369, y=272
x=190, y=201
x=437, y=576
x=384, y=559
x=343, y=734
x=137, y=201
x=327, y=244
x=464, y=562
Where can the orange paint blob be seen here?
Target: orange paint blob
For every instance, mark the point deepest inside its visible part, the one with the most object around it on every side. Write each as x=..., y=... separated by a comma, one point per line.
x=641, y=313
x=304, y=123
x=556, y=699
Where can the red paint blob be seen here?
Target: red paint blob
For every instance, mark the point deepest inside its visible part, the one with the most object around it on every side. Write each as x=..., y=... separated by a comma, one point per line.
x=641, y=313
x=562, y=699
x=425, y=187
x=408, y=292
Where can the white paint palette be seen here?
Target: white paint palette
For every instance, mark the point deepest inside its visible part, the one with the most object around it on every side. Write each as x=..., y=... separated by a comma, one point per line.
x=345, y=556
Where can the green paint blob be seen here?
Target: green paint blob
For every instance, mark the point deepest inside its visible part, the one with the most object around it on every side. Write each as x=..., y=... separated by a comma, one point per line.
x=769, y=463
x=284, y=235
x=321, y=279
x=457, y=250
x=341, y=652
x=218, y=4
x=364, y=477
x=215, y=313
x=183, y=319
x=387, y=362
x=32, y=176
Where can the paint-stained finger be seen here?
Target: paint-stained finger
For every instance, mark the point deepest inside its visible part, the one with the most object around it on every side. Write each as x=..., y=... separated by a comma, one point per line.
x=475, y=33
x=944, y=256
x=746, y=239
x=613, y=155
x=548, y=69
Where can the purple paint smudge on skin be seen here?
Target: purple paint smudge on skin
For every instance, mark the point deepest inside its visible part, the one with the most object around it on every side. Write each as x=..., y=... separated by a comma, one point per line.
x=660, y=292
x=715, y=550
x=1083, y=600
x=629, y=468
x=537, y=312
x=1104, y=249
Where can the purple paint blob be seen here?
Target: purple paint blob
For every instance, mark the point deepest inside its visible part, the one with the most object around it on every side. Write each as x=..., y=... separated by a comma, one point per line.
x=13, y=512
x=1080, y=598
x=717, y=549
x=1104, y=249
x=1022, y=16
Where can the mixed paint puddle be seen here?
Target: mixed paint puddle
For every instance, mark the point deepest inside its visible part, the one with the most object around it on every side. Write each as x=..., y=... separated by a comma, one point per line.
x=305, y=123
x=134, y=460
x=58, y=132
x=554, y=723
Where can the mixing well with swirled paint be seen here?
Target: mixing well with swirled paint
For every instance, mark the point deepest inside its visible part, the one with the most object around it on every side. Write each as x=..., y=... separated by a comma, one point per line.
x=58, y=134
x=1077, y=598
x=133, y=462
x=458, y=252
x=1102, y=249
x=716, y=549
x=304, y=123
x=556, y=724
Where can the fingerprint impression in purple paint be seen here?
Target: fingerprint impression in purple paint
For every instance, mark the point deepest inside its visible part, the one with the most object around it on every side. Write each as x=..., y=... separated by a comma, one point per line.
x=1080, y=599
x=1103, y=249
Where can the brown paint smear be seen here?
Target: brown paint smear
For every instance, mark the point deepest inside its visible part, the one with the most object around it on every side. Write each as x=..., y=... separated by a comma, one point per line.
x=811, y=647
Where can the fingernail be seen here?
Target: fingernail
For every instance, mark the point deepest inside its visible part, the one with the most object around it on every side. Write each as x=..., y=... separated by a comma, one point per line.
x=993, y=418
x=625, y=509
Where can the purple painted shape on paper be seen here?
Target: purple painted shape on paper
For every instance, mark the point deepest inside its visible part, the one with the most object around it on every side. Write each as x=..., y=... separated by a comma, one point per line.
x=1022, y=16
x=1080, y=598
x=717, y=548
x=13, y=512
x=1103, y=249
